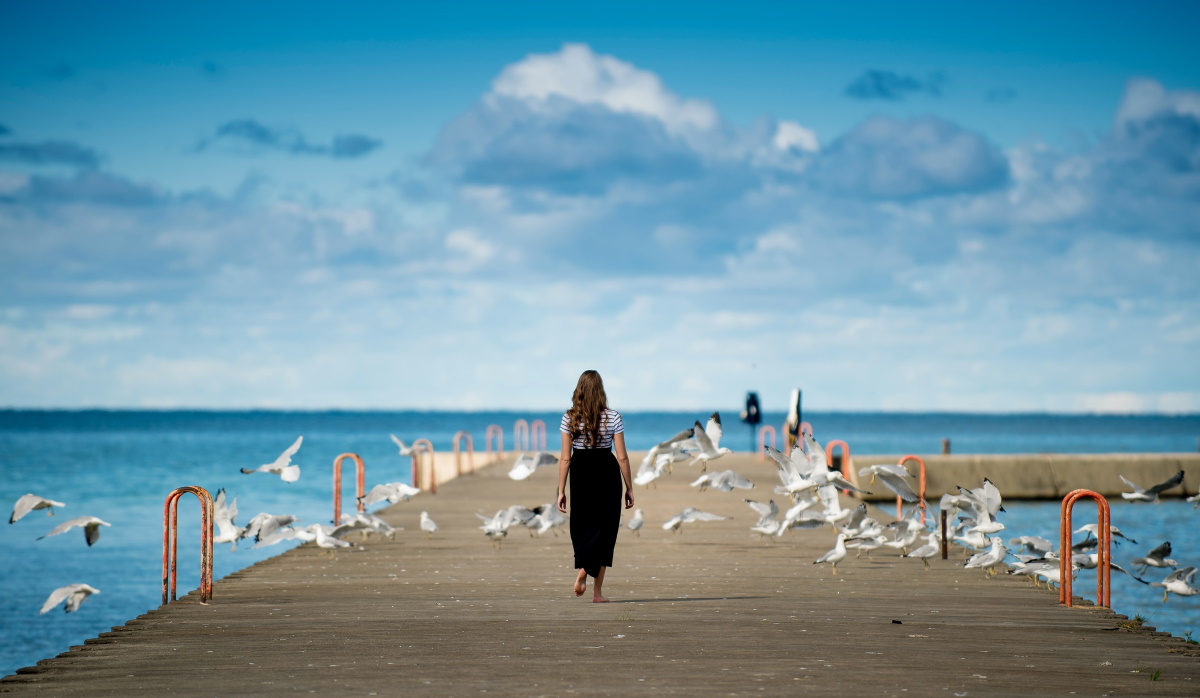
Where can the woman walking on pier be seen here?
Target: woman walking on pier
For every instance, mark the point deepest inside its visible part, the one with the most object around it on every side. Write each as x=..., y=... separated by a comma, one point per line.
x=590, y=431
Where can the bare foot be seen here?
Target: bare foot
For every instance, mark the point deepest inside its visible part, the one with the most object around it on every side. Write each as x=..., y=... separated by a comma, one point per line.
x=580, y=584
x=599, y=599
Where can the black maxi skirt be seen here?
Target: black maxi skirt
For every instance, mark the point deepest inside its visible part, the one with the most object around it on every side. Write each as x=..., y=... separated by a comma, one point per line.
x=595, y=507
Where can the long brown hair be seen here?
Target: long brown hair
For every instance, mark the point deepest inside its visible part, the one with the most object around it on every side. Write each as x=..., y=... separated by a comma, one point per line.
x=587, y=407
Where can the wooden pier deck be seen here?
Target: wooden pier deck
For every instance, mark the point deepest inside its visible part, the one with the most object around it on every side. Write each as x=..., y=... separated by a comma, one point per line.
x=711, y=611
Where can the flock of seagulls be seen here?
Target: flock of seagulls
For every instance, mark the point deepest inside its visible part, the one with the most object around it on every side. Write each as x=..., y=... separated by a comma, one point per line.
x=72, y=594
x=810, y=487
x=262, y=530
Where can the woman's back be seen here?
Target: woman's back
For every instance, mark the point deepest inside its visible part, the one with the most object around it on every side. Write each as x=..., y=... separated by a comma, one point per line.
x=610, y=423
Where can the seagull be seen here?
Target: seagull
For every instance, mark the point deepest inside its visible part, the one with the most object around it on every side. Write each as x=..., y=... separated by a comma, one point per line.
x=223, y=516
x=546, y=518
x=1031, y=544
x=74, y=594
x=282, y=466
x=892, y=476
x=29, y=502
x=689, y=515
x=673, y=450
x=1091, y=530
x=1178, y=582
x=1089, y=561
x=1150, y=494
x=405, y=451
x=365, y=522
x=393, y=492
x=989, y=559
x=723, y=481
x=836, y=555
x=708, y=438
x=427, y=524
x=325, y=540
x=525, y=464
x=91, y=528
x=1159, y=557
x=931, y=548
x=635, y=524
x=766, y=512
x=1194, y=499
x=265, y=525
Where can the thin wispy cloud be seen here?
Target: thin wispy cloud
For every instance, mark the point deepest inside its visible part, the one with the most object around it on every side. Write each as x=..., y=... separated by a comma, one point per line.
x=260, y=137
x=892, y=86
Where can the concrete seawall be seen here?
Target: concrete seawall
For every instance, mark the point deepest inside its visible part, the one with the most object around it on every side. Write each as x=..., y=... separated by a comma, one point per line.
x=1047, y=476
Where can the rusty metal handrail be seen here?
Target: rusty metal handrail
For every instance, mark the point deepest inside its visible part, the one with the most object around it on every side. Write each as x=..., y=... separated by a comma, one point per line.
x=359, y=487
x=424, y=446
x=458, y=452
x=171, y=541
x=537, y=428
x=496, y=431
x=1103, y=548
x=762, y=441
x=847, y=471
x=805, y=428
x=920, y=492
x=520, y=428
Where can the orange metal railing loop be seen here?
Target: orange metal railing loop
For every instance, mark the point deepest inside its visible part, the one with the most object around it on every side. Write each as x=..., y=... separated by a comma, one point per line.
x=537, y=429
x=1103, y=548
x=171, y=542
x=494, y=430
x=359, y=485
x=424, y=446
x=521, y=428
x=921, y=492
x=762, y=440
x=458, y=437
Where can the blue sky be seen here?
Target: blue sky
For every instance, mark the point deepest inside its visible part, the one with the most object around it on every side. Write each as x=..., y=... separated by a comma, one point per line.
x=916, y=207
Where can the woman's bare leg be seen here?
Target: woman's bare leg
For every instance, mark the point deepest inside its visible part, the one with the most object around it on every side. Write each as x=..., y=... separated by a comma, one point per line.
x=597, y=597
x=581, y=583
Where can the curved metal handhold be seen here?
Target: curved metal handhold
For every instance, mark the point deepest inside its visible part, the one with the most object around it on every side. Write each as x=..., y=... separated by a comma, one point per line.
x=424, y=446
x=1103, y=548
x=537, y=428
x=762, y=440
x=458, y=452
x=520, y=428
x=171, y=541
x=496, y=431
x=360, y=484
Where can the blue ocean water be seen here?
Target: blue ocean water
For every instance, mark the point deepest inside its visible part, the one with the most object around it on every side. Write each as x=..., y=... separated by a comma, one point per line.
x=119, y=465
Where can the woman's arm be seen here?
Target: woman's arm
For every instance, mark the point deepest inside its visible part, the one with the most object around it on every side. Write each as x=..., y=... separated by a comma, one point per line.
x=564, y=464
x=623, y=461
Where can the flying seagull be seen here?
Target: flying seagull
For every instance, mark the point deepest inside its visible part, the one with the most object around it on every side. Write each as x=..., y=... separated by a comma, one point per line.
x=282, y=466
x=29, y=502
x=708, y=438
x=73, y=594
x=91, y=528
x=1150, y=494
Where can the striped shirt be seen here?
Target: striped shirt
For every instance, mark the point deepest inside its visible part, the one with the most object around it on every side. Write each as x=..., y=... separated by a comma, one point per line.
x=610, y=424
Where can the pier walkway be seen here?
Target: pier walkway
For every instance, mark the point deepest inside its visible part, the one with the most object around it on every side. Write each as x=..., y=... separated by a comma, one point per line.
x=713, y=610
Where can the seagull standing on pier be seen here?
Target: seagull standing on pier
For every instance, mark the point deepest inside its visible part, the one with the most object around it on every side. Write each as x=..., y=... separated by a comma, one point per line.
x=281, y=466
x=427, y=524
x=989, y=559
x=836, y=555
x=635, y=524
x=29, y=502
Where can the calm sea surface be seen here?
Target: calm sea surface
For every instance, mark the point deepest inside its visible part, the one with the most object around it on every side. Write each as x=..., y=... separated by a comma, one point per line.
x=120, y=465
